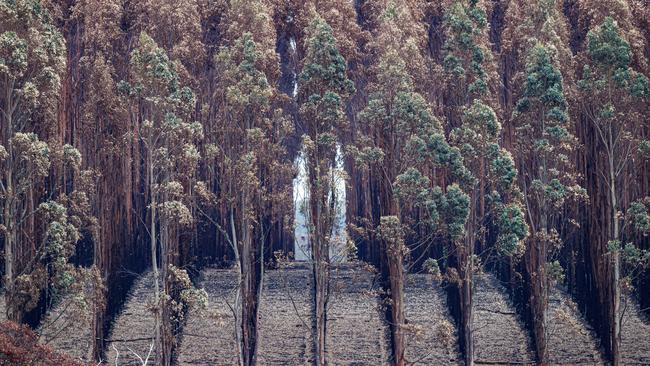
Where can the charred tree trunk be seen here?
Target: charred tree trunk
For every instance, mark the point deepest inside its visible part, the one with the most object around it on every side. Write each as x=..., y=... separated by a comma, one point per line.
x=396, y=288
x=154, y=261
x=615, y=295
x=320, y=218
x=10, y=236
x=536, y=267
x=465, y=253
x=466, y=302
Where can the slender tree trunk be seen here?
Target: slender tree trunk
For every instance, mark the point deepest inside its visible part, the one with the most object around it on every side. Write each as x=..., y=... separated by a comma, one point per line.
x=539, y=296
x=320, y=255
x=240, y=281
x=260, y=289
x=97, y=330
x=396, y=280
x=466, y=264
x=247, y=288
x=11, y=234
x=466, y=304
x=10, y=237
x=165, y=318
x=154, y=264
x=616, y=288
x=321, y=285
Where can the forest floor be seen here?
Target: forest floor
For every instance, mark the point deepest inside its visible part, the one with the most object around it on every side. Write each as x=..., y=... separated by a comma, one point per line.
x=3, y=311
x=208, y=336
x=356, y=328
x=635, y=334
x=285, y=316
x=499, y=334
x=357, y=331
x=67, y=328
x=571, y=341
x=431, y=338
x=132, y=329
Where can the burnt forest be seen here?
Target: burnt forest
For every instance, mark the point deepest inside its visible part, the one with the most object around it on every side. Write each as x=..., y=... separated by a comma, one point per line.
x=324, y=182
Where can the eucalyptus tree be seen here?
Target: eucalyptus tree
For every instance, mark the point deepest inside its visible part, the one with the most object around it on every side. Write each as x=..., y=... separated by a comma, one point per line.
x=402, y=148
x=544, y=146
x=478, y=141
x=403, y=144
x=465, y=23
x=32, y=60
x=253, y=161
x=323, y=90
x=495, y=202
x=466, y=61
x=611, y=92
x=538, y=71
x=247, y=158
x=160, y=106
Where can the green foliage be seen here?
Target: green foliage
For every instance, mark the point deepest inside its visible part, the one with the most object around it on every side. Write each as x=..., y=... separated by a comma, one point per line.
x=607, y=48
x=502, y=167
x=14, y=54
x=543, y=87
x=555, y=272
x=478, y=141
x=635, y=257
x=401, y=128
x=246, y=83
x=411, y=186
x=61, y=235
x=639, y=216
x=189, y=296
x=391, y=231
x=635, y=261
x=32, y=50
x=431, y=267
x=544, y=141
x=512, y=229
x=155, y=80
x=479, y=130
x=455, y=206
x=611, y=56
x=32, y=157
x=323, y=81
x=323, y=89
x=464, y=54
